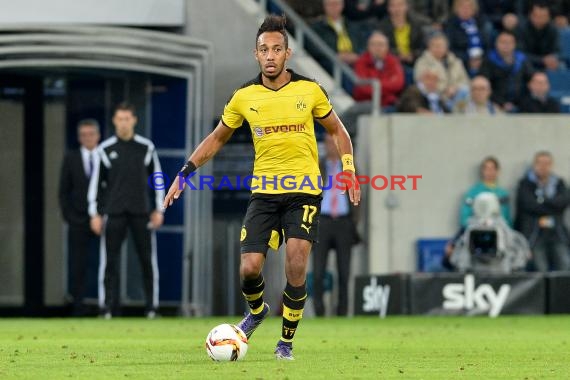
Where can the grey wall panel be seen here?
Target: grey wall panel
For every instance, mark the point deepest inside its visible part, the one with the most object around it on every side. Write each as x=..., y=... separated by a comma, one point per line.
x=11, y=203
x=54, y=256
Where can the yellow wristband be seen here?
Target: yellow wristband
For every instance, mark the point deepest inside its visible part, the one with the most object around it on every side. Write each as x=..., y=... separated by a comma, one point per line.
x=347, y=162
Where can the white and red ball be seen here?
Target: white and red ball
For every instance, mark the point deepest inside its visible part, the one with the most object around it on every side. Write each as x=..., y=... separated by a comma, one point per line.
x=226, y=342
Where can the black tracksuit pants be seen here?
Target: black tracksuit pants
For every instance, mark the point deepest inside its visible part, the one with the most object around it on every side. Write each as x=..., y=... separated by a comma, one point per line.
x=116, y=227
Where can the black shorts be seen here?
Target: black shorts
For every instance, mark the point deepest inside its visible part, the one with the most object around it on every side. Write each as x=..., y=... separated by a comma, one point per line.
x=272, y=218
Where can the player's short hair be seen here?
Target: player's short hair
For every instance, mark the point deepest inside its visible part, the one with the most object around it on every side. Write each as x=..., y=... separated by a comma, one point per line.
x=273, y=23
x=125, y=106
x=88, y=122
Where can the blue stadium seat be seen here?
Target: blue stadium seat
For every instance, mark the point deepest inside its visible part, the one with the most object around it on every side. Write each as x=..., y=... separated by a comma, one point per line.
x=559, y=81
x=565, y=45
x=560, y=88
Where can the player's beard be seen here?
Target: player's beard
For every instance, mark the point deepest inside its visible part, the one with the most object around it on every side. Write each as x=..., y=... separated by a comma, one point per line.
x=275, y=74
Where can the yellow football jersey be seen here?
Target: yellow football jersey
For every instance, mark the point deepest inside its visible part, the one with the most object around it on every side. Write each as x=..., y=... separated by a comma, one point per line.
x=281, y=122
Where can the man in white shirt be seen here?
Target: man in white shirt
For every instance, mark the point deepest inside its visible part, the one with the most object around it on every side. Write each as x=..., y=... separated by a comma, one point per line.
x=336, y=231
x=77, y=168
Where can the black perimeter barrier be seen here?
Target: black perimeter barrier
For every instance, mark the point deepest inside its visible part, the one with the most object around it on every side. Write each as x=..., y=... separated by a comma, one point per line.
x=462, y=294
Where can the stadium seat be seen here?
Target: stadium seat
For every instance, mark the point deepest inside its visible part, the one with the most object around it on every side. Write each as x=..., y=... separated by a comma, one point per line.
x=560, y=88
x=559, y=81
x=430, y=254
x=565, y=45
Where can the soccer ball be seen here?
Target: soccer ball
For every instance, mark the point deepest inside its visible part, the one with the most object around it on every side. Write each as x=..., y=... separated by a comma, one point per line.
x=226, y=342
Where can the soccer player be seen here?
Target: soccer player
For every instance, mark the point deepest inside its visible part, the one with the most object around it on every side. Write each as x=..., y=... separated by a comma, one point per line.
x=279, y=105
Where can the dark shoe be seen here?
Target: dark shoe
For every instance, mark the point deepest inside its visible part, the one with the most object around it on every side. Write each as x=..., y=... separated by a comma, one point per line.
x=252, y=321
x=284, y=351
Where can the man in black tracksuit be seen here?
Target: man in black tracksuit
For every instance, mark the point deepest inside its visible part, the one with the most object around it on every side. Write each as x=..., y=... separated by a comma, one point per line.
x=119, y=199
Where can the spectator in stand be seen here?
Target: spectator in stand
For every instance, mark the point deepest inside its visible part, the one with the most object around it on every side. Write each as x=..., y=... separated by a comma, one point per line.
x=465, y=30
x=489, y=176
x=508, y=70
x=479, y=102
x=561, y=12
x=404, y=30
x=538, y=101
x=538, y=38
x=342, y=36
x=502, y=15
x=362, y=10
x=436, y=11
x=423, y=97
x=542, y=198
x=379, y=63
x=453, y=82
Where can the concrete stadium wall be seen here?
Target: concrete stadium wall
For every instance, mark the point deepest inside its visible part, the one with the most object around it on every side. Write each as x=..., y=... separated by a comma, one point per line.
x=231, y=26
x=103, y=12
x=446, y=151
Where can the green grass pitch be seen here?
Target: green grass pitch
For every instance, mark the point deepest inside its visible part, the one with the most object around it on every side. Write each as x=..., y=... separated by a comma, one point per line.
x=330, y=348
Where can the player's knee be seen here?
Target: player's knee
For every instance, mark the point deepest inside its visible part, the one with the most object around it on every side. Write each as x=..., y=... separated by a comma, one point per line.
x=249, y=272
x=250, y=266
x=296, y=270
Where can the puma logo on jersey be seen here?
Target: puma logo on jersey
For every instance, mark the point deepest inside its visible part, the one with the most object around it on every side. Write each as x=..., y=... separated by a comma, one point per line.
x=306, y=228
x=254, y=110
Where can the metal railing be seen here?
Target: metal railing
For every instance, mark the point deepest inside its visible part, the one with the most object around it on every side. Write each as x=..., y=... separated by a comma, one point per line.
x=340, y=68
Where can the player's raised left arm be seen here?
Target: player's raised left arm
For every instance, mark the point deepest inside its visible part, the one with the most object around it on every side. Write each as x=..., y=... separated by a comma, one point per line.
x=340, y=135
